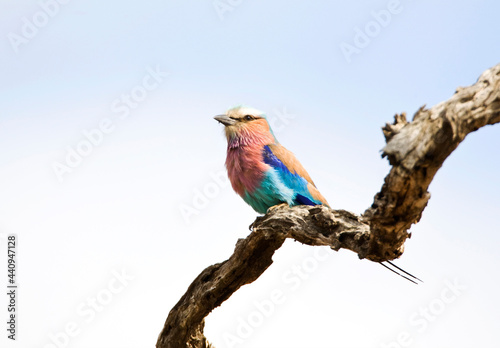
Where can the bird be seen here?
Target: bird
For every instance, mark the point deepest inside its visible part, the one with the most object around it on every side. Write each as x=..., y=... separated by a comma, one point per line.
x=261, y=170
x=265, y=173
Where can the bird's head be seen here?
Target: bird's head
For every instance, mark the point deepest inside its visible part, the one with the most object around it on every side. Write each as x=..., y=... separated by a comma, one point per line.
x=245, y=126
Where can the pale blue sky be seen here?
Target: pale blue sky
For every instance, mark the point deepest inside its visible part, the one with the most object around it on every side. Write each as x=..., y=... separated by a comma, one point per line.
x=120, y=208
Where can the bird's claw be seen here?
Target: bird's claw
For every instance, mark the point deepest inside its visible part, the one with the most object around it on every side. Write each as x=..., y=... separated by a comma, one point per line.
x=277, y=207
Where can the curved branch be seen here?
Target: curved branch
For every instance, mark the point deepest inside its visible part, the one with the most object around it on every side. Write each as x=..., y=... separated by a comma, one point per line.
x=416, y=150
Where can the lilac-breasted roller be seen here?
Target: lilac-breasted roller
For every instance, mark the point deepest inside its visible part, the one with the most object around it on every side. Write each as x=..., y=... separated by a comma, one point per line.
x=262, y=171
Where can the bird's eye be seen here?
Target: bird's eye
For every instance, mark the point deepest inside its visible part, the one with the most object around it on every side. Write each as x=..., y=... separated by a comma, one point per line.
x=248, y=118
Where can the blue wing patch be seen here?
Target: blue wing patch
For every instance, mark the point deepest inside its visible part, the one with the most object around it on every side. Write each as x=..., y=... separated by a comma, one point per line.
x=302, y=200
x=271, y=159
x=291, y=180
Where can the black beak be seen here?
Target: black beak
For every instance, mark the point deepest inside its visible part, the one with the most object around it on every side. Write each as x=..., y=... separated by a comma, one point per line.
x=226, y=121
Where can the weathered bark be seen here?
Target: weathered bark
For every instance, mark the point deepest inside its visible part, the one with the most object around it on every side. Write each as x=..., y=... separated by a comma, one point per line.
x=416, y=150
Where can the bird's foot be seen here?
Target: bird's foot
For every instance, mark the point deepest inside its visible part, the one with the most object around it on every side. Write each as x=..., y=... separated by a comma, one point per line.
x=277, y=207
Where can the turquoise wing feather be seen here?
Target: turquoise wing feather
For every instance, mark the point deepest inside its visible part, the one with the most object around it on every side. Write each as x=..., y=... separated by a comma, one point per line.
x=290, y=176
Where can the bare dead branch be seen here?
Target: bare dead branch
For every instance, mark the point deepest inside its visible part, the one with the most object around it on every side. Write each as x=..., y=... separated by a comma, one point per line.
x=416, y=150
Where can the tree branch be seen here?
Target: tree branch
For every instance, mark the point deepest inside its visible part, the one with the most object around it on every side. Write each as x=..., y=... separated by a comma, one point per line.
x=416, y=150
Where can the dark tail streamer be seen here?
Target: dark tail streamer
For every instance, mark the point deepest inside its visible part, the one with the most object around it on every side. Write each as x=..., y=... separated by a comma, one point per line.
x=402, y=270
